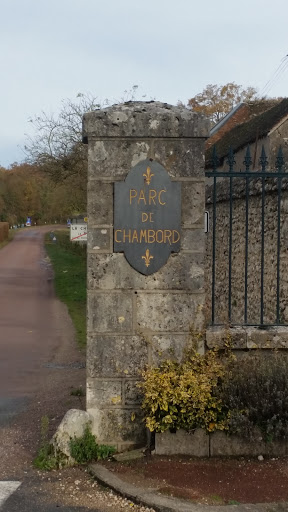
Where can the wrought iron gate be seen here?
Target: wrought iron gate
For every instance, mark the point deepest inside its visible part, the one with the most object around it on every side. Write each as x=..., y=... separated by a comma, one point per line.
x=246, y=245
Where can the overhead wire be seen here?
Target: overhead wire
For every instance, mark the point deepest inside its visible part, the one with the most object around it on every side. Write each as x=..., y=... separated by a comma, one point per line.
x=276, y=78
x=276, y=75
x=273, y=80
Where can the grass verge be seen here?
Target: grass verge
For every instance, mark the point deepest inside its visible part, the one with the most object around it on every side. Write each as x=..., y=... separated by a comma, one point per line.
x=69, y=263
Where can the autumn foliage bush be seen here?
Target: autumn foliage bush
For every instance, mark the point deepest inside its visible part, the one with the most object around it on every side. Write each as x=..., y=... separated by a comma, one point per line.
x=184, y=395
x=213, y=392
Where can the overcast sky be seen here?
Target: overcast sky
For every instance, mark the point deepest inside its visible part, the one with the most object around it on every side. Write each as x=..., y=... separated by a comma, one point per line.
x=52, y=50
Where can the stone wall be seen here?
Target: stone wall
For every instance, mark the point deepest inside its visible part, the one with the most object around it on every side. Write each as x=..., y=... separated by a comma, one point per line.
x=135, y=319
x=254, y=252
x=277, y=137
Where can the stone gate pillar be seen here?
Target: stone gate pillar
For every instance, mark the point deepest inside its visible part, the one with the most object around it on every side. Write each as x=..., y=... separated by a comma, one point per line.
x=145, y=253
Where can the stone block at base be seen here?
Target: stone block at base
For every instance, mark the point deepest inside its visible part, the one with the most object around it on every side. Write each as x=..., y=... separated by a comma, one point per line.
x=222, y=445
x=217, y=444
x=122, y=428
x=242, y=338
x=195, y=443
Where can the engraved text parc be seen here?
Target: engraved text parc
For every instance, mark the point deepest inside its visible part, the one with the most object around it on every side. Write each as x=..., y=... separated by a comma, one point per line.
x=148, y=236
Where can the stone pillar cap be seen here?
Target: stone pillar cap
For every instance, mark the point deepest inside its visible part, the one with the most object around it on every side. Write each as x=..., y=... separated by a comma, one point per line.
x=143, y=119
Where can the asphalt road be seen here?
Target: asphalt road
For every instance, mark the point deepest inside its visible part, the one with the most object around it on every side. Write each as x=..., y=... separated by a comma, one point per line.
x=39, y=366
x=24, y=303
x=30, y=336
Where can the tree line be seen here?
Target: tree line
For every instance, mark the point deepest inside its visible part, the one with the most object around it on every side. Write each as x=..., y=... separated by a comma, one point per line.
x=51, y=184
x=27, y=191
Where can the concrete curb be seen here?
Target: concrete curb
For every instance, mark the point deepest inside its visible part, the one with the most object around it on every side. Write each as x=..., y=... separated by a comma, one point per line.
x=150, y=498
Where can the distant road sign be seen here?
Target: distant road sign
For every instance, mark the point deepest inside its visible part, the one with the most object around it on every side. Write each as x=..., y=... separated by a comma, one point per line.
x=78, y=232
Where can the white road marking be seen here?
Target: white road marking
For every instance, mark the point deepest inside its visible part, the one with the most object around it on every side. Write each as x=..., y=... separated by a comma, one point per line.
x=6, y=489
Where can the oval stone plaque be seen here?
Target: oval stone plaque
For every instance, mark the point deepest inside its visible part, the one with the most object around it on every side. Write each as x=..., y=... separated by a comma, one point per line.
x=147, y=217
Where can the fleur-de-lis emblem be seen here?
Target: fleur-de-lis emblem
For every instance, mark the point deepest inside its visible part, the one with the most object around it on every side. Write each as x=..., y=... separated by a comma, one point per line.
x=148, y=175
x=147, y=257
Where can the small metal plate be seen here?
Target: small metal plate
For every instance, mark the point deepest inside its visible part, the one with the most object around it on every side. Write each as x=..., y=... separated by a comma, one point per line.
x=147, y=217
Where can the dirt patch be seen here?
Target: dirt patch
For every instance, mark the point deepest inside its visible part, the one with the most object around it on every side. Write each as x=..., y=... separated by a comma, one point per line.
x=209, y=481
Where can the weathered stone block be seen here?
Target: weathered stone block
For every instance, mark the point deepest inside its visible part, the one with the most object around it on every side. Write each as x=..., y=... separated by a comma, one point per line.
x=114, y=158
x=181, y=158
x=182, y=271
x=132, y=394
x=103, y=392
x=195, y=443
x=165, y=347
x=219, y=337
x=193, y=240
x=193, y=203
x=140, y=119
x=109, y=312
x=115, y=426
x=170, y=311
x=100, y=239
x=221, y=445
x=116, y=356
x=100, y=203
x=274, y=337
x=224, y=445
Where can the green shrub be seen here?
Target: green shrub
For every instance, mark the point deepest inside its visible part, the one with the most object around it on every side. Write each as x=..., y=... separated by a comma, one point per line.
x=184, y=395
x=85, y=449
x=45, y=458
x=77, y=392
x=256, y=394
x=238, y=395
